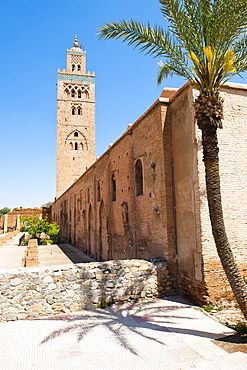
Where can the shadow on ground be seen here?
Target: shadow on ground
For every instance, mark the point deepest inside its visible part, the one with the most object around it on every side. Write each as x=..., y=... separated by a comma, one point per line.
x=75, y=254
x=149, y=322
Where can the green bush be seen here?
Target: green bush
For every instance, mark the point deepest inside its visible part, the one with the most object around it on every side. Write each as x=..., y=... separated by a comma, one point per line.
x=24, y=242
x=36, y=226
x=208, y=307
x=102, y=303
x=42, y=241
x=240, y=327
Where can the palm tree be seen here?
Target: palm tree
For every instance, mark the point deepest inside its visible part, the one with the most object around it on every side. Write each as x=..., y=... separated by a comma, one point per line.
x=204, y=41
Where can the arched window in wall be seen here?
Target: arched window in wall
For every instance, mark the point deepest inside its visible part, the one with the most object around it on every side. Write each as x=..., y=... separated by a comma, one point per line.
x=73, y=111
x=113, y=187
x=98, y=191
x=76, y=146
x=76, y=134
x=79, y=111
x=71, y=145
x=138, y=177
x=90, y=229
x=81, y=146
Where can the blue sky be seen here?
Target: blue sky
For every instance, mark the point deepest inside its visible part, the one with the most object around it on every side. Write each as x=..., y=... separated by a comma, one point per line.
x=34, y=37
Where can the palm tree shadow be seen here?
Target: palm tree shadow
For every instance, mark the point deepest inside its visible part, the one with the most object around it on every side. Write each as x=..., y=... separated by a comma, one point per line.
x=116, y=322
x=123, y=320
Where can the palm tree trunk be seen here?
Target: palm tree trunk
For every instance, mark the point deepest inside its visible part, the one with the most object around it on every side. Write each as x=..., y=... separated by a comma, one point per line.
x=211, y=162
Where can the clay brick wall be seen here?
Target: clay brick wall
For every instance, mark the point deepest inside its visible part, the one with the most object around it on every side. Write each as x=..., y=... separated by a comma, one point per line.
x=233, y=163
x=130, y=226
x=186, y=199
x=200, y=274
x=170, y=219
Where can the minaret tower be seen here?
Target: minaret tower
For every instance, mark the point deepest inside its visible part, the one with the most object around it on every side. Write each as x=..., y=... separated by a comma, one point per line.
x=75, y=119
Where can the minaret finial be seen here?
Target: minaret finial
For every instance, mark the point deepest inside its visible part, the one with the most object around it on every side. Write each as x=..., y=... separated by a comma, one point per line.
x=76, y=42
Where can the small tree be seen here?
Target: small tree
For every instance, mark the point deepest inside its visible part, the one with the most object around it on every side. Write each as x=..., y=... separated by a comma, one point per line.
x=4, y=210
x=47, y=205
x=36, y=226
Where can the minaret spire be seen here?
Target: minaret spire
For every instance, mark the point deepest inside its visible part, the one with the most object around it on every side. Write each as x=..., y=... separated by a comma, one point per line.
x=76, y=42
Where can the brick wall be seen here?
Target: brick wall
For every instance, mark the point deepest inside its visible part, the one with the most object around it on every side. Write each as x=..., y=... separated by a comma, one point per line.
x=233, y=164
x=170, y=219
x=130, y=226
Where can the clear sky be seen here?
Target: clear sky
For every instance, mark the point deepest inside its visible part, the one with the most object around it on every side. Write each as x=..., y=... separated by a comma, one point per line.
x=34, y=37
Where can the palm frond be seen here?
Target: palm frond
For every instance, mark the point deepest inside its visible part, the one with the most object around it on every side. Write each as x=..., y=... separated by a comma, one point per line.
x=167, y=69
x=153, y=41
x=240, y=50
x=192, y=27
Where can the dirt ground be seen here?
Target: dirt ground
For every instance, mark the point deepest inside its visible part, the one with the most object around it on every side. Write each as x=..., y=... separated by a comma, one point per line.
x=233, y=343
x=230, y=314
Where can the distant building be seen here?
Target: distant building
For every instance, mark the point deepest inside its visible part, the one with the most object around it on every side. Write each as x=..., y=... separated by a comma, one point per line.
x=12, y=221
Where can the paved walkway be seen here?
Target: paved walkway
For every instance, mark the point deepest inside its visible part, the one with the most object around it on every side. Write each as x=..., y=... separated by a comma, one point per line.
x=11, y=254
x=159, y=335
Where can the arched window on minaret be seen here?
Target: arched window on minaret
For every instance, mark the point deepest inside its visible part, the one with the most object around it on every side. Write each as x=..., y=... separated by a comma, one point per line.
x=86, y=94
x=72, y=93
x=79, y=111
x=73, y=67
x=78, y=67
x=79, y=94
x=73, y=111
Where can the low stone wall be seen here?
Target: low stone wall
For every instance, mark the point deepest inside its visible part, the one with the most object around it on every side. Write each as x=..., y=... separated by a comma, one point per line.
x=32, y=292
x=4, y=238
